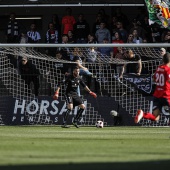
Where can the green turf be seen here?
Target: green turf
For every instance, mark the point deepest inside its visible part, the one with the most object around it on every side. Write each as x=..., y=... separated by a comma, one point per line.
x=51, y=147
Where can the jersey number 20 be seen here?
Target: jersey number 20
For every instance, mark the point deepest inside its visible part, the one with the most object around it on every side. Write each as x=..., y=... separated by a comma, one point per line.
x=160, y=79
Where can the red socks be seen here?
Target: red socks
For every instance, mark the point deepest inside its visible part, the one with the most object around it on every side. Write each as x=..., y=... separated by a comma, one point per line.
x=149, y=116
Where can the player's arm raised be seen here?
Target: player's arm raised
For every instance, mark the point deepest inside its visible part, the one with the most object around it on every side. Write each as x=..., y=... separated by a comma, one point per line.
x=90, y=92
x=87, y=89
x=56, y=94
x=140, y=67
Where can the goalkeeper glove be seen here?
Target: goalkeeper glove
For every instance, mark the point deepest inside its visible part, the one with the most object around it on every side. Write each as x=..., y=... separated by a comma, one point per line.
x=55, y=97
x=93, y=94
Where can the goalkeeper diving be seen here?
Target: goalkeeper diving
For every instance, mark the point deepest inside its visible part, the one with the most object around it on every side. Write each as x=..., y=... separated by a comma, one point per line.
x=72, y=98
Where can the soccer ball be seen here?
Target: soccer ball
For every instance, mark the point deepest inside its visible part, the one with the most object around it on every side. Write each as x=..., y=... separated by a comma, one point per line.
x=113, y=113
x=99, y=124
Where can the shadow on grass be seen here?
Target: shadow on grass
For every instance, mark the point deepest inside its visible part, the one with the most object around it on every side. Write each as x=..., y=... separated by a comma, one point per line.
x=148, y=165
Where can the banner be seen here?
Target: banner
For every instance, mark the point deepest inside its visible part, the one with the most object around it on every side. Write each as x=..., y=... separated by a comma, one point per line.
x=142, y=82
x=159, y=12
x=46, y=111
x=50, y=112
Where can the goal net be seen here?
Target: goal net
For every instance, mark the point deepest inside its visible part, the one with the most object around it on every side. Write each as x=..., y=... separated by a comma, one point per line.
x=130, y=91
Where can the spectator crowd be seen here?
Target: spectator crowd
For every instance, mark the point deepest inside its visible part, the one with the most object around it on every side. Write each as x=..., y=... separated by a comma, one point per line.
x=116, y=29
x=105, y=29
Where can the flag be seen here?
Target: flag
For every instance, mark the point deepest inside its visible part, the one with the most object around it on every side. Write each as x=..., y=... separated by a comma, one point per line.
x=159, y=12
x=142, y=82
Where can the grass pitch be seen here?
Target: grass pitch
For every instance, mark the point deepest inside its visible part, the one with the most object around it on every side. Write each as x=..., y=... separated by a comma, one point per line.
x=51, y=147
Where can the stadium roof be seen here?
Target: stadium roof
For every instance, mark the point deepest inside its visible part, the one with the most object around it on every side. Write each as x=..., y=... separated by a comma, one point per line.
x=15, y=3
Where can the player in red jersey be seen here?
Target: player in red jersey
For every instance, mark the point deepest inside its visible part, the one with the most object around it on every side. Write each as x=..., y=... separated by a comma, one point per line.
x=161, y=96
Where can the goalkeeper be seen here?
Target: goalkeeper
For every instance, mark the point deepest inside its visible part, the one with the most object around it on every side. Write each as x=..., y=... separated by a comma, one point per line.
x=72, y=98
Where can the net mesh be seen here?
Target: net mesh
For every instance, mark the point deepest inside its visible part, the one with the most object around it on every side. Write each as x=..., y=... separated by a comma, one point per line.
x=105, y=80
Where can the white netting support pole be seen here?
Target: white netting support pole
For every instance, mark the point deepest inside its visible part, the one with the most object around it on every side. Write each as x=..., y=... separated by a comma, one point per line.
x=146, y=45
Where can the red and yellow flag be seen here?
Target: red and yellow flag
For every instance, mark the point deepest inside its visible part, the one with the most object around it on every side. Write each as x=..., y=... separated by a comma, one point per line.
x=159, y=12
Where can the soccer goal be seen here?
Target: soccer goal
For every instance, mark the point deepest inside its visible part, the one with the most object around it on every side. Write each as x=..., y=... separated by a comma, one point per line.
x=21, y=105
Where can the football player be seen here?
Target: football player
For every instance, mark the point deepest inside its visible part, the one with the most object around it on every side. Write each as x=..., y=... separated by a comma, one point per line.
x=161, y=96
x=71, y=96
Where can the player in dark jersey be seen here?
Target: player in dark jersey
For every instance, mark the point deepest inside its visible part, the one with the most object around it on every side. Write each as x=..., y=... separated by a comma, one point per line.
x=71, y=96
x=161, y=96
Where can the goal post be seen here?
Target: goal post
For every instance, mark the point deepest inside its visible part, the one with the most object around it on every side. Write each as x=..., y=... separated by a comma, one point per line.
x=131, y=91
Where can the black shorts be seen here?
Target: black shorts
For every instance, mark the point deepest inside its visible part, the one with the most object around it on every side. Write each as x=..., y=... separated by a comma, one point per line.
x=158, y=103
x=73, y=99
